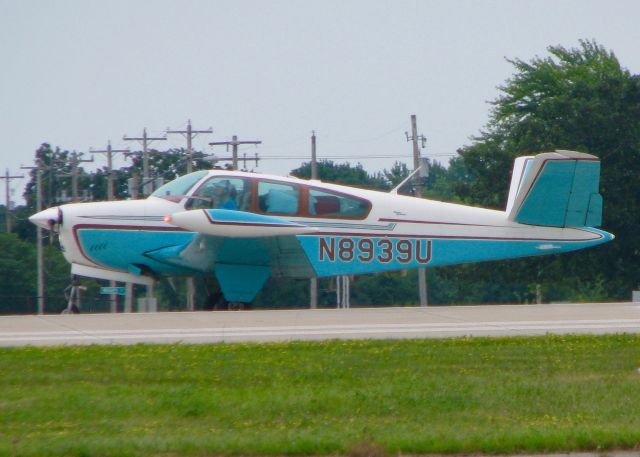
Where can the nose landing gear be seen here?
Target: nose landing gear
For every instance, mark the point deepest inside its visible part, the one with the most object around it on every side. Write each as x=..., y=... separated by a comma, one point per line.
x=72, y=294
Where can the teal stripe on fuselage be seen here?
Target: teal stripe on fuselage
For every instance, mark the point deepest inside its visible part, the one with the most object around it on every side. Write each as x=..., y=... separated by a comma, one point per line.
x=337, y=255
x=329, y=254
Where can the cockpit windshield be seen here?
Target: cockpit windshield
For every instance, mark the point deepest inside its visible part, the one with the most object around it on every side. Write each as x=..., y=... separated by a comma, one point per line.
x=179, y=187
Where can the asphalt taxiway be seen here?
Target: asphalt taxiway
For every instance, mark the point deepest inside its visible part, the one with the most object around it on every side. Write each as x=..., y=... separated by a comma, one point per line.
x=292, y=325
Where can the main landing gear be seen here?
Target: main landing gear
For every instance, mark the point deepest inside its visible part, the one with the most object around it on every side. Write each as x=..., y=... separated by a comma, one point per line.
x=217, y=302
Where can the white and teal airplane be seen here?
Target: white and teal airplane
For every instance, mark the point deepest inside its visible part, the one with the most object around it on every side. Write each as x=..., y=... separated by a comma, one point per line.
x=245, y=227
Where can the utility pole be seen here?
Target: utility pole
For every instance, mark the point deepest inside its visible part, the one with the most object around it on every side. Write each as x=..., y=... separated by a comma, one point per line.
x=75, y=162
x=110, y=196
x=313, y=284
x=190, y=134
x=422, y=272
x=109, y=153
x=234, y=150
x=314, y=159
x=145, y=140
x=146, y=190
x=40, y=247
x=7, y=191
x=342, y=281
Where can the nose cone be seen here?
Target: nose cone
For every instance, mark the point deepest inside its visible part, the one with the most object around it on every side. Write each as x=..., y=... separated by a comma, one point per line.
x=47, y=218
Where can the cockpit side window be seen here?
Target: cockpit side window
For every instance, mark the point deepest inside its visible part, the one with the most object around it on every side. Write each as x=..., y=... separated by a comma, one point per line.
x=179, y=187
x=323, y=203
x=278, y=198
x=223, y=192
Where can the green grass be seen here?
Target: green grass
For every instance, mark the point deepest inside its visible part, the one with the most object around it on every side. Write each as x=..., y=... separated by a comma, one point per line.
x=412, y=396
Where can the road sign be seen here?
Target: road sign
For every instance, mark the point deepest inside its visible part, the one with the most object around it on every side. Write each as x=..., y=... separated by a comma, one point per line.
x=113, y=290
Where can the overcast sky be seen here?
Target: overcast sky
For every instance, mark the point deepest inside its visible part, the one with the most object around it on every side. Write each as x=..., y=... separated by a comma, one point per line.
x=76, y=74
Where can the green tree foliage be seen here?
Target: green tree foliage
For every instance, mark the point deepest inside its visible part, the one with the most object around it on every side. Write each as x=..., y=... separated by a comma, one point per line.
x=580, y=99
x=57, y=278
x=21, y=226
x=17, y=274
x=398, y=172
x=168, y=165
x=441, y=183
x=343, y=173
x=56, y=177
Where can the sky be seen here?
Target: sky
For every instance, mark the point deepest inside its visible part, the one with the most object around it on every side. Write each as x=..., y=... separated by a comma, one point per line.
x=78, y=73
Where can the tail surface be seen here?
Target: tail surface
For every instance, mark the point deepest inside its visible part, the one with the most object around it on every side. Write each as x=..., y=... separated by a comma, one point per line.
x=556, y=189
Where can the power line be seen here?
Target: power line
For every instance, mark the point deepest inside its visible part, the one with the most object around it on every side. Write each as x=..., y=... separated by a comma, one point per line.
x=349, y=157
x=337, y=157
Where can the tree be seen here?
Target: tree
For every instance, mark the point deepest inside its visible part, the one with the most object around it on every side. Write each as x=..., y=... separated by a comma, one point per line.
x=56, y=177
x=343, y=173
x=580, y=99
x=442, y=182
x=17, y=274
x=398, y=172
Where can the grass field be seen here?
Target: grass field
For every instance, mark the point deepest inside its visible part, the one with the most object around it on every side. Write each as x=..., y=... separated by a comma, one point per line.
x=412, y=396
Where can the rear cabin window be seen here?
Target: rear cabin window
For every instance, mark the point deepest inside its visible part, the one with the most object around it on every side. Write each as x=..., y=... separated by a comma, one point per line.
x=222, y=193
x=278, y=198
x=328, y=204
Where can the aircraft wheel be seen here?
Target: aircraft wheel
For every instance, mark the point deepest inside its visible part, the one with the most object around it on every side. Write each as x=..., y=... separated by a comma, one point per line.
x=74, y=310
x=236, y=306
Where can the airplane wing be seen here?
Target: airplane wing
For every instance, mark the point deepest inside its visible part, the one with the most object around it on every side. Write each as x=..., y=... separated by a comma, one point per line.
x=243, y=249
x=237, y=224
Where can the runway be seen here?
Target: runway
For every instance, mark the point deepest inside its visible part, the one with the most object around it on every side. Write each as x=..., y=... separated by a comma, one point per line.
x=305, y=325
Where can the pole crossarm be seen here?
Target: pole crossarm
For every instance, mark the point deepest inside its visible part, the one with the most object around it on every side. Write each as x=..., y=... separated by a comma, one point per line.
x=109, y=153
x=145, y=140
x=234, y=143
x=230, y=143
x=75, y=162
x=109, y=150
x=7, y=177
x=189, y=134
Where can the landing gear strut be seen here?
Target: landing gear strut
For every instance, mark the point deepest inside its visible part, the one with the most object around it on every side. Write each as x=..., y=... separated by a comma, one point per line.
x=72, y=294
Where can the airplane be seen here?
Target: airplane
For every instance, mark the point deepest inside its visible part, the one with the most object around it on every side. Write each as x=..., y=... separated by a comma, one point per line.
x=243, y=228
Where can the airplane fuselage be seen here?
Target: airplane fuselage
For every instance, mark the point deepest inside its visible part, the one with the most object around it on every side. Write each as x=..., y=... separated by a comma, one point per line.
x=318, y=229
